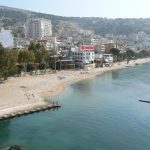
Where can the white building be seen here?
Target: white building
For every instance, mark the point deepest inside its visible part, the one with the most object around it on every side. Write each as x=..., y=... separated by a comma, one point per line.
x=39, y=28
x=85, y=54
x=102, y=48
x=6, y=38
x=69, y=40
x=105, y=58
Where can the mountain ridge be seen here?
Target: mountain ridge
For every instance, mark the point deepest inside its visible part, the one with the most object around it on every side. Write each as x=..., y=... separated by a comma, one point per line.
x=12, y=16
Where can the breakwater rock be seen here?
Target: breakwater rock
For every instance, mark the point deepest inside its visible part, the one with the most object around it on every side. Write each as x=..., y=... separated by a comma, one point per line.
x=15, y=147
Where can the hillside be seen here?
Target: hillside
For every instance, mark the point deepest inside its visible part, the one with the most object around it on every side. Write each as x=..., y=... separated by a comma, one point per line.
x=13, y=16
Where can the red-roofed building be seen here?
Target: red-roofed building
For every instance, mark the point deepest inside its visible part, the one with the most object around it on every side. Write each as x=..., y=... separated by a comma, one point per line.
x=87, y=47
x=84, y=54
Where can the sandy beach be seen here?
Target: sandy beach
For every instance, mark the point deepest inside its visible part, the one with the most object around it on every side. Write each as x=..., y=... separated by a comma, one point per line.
x=27, y=92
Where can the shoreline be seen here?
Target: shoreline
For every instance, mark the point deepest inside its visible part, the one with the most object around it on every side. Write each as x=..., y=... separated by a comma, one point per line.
x=30, y=92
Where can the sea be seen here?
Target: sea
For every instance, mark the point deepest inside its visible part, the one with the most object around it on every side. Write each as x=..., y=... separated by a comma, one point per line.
x=101, y=113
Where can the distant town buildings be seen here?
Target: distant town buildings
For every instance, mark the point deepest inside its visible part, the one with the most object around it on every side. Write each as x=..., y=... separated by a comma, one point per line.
x=109, y=46
x=71, y=42
x=21, y=42
x=39, y=28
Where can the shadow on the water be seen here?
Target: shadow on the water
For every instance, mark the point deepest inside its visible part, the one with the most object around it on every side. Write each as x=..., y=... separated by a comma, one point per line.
x=84, y=87
x=115, y=75
x=4, y=131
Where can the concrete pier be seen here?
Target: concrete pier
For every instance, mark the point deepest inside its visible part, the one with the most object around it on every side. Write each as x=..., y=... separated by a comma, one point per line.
x=29, y=111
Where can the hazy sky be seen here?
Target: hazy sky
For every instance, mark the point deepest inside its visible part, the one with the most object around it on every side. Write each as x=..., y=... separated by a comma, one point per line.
x=86, y=8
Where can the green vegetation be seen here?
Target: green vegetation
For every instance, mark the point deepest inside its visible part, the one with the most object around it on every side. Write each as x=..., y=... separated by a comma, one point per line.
x=128, y=55
x=40, y=52
x=13, y=61
x=25, y=57
x=8, y=59
x=115, y=53
x=144, y=53
x=102, y=26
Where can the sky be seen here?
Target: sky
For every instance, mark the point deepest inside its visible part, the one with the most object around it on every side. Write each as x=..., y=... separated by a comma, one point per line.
x=86, y=8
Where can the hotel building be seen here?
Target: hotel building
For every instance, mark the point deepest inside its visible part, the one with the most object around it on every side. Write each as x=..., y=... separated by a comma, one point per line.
x=39, y=28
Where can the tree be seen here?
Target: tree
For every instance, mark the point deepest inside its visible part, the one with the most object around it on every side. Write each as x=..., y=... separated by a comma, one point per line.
x=12, y=56
x=8, y=60
x=122, y=56
x=144, y=53
x=3, y=61
x=51, y=60
x=32, y=47
x=26, y=57
x=130, y=54
x=115, y=53
x=40, y=52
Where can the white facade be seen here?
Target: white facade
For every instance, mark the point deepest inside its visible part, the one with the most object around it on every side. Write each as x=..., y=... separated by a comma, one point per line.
x=6, y=38
x=83, y=56
x=39, y=28
x=102, y=48
x=105, y=57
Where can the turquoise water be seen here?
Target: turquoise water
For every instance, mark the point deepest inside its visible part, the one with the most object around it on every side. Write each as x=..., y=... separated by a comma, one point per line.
x=102, y=113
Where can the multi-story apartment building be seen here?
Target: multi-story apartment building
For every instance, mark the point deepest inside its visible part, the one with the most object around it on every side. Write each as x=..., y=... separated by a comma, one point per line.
x=39, y=28
x=109, y=46
x=85, y=54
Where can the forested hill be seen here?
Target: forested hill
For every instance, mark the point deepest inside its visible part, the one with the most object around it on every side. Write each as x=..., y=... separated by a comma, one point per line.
x=12, y=16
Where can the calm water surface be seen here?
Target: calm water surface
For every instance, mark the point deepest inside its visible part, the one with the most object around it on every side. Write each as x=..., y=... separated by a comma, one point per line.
x=102, y=113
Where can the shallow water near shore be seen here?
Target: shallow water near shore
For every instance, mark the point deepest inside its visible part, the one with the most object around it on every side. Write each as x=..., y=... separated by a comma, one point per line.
x=101, y=113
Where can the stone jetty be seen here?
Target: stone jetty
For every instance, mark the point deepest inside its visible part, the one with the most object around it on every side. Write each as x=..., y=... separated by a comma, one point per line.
x=30, y=111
